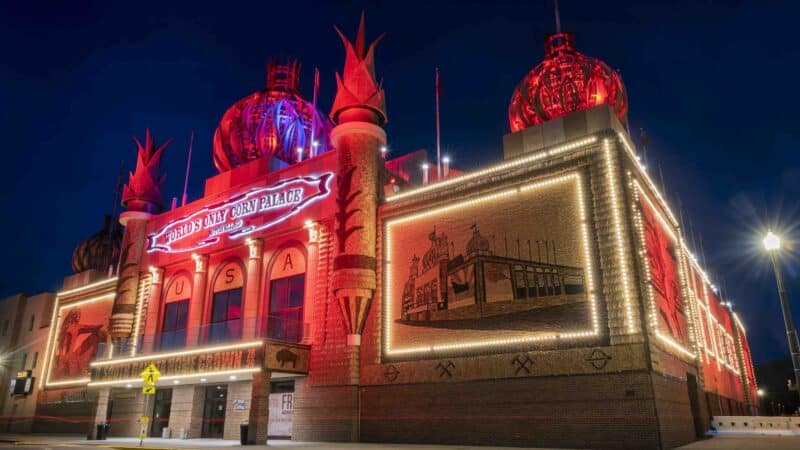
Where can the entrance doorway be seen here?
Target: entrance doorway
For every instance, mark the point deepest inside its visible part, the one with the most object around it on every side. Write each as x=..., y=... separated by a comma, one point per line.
x=161, y=407
x=694, y=404
x=214, y=411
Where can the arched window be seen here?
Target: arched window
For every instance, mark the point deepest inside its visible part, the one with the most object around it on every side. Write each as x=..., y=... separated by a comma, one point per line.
x=225, y=319
x=286, y=295
x=176, y=313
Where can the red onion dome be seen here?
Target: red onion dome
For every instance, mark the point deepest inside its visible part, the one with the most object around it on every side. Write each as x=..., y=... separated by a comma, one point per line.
x=100, y=250
x=273, y=122
x=565, y=82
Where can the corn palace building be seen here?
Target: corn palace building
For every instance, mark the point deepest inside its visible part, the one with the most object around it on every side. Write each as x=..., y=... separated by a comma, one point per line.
x=320, y=292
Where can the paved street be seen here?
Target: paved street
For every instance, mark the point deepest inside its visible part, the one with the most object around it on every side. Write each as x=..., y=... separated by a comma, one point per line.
x=45, y=442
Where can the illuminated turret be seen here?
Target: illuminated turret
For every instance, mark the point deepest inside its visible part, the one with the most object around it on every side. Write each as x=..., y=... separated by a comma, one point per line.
x=359, y=111
x=142, y=198
x=566, y=81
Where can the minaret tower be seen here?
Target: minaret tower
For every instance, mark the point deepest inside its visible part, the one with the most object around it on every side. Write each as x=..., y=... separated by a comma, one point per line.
x=142, y=198
x=359, y=112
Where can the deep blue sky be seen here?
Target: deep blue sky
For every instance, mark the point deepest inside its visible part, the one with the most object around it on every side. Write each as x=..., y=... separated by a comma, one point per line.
x=714, y=83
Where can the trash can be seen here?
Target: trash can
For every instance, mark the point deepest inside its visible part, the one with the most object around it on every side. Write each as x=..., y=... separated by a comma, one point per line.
x=166, y=433
x=243, y=427
x=102, y=431
x=184, y=433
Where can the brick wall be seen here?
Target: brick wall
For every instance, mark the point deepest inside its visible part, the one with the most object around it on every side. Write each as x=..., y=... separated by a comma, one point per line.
x=233, y=417
x=126, y=411
x=607, y=411
x=186, y=410
x=325, y=413
x=675, y=419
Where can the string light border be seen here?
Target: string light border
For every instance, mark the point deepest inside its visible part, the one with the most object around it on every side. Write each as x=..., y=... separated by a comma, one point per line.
x=638, y=195
x=621, y=249
x=50, y=348
x=437, y=349
x=516, y=162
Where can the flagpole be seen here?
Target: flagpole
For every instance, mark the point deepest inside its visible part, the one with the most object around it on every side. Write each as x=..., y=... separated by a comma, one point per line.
x=313, y=150
x=438, y=134
x=188, y=165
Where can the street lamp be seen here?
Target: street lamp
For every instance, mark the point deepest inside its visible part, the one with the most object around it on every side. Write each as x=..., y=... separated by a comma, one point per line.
x=772, y=243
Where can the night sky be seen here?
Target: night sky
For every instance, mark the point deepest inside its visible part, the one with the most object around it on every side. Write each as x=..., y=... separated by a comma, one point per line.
x=713, y=83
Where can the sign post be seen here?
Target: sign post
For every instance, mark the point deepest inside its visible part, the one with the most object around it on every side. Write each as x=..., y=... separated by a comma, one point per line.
x=149, y=375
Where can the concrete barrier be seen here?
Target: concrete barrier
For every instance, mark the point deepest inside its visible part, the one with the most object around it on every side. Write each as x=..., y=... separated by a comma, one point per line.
x=787, y=426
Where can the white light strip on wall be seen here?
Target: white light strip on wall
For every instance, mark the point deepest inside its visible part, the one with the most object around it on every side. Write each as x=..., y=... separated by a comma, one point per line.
x=95, y=285
x=54, y=326
x=521, y=160
x=620, y=247
x=177, y=377
x=688, y=302
x=643, y=173
x=142, y=294
x=194, y=351
x=68, y=382
x=388, y=271
x=739, y=322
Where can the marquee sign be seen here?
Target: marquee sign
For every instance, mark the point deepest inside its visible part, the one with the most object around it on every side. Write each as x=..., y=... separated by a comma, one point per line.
x=255, y=210
x=234, y=359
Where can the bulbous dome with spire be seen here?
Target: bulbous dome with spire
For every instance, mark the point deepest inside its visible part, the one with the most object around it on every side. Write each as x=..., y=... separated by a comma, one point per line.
x=100, y=250
x=566, y=81
x=275, y=122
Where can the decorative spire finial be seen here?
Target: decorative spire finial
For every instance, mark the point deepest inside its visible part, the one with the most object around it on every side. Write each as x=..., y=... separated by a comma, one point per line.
x=143, y=191
x=558, y=17
x=359, y=97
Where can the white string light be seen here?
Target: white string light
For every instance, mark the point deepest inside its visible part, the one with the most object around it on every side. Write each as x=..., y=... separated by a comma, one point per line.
x=388, y=272
x=521, y=160
x=652, y=307
x=54, y=325
x=621, y=247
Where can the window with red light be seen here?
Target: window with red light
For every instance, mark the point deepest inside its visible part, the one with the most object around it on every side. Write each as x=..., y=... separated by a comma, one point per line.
x=225, y=315
x=286, y=296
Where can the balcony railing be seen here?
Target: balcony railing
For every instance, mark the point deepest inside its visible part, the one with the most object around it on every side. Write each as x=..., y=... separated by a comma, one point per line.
x=283, y=329
x=270, y=327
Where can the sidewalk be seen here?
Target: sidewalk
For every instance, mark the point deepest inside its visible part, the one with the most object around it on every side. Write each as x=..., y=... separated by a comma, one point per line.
x=727, y=442
x=169, y=444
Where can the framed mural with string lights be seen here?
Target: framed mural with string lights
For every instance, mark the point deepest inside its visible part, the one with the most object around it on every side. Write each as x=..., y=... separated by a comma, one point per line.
x=462, y=277
x=81, y=336
x=661, y=260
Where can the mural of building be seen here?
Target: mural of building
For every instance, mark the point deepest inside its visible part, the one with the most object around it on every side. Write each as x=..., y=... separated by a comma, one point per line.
x=319, y=291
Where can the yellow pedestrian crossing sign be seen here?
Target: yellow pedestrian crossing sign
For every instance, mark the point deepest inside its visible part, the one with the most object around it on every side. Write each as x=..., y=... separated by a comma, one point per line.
x=150, y=375
x=149, y=390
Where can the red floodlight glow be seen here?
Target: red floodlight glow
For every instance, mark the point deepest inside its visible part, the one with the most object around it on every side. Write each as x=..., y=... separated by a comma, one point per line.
x=566, y=81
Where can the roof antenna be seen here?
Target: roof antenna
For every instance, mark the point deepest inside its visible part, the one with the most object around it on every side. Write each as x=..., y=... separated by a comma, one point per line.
x=117, y=194
x=558, y=17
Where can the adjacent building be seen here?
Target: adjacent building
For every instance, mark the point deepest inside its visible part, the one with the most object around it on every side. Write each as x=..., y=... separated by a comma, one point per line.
x=27, y=327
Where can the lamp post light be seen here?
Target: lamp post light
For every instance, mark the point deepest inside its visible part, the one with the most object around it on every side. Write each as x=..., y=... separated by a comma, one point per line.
x=772, y=243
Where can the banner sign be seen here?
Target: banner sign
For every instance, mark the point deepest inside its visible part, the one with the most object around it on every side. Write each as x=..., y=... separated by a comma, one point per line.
x=281, y=412
x=255, y=210
x=246, y=358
